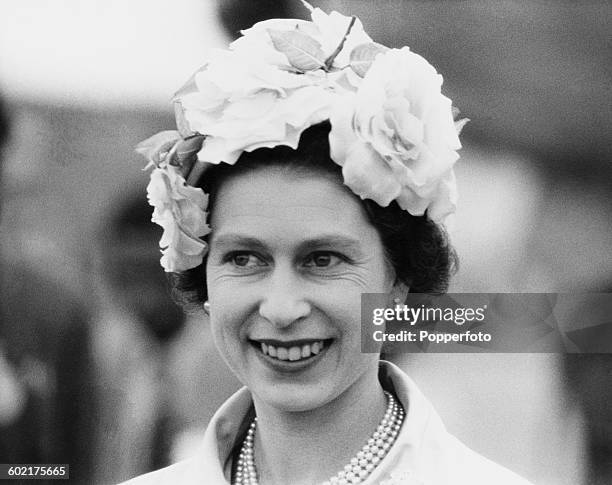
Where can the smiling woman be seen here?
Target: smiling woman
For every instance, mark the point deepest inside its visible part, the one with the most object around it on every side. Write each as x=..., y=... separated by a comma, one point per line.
x=289, y=257
x=269, y=284
x=321, y=174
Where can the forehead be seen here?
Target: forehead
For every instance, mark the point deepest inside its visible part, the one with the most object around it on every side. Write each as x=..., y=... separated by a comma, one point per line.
x=271, y=202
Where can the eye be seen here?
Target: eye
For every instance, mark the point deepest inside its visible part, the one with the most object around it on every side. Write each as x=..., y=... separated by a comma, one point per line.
x=243, y=259
x=322, y=259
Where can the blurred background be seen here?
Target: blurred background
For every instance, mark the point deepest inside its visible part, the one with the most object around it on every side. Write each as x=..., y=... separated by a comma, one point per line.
x=100, y=370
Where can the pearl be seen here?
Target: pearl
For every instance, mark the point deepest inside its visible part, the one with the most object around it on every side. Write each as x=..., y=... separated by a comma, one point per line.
x=359, y=467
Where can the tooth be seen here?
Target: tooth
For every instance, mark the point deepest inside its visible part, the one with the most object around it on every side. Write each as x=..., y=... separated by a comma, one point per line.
x=282, y=353
x=271, y=351
x=316, y=348
x=295, y=353
x=306, y=351
x=264, y=348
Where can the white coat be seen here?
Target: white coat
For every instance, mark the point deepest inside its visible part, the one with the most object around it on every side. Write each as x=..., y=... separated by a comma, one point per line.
x=423, y=454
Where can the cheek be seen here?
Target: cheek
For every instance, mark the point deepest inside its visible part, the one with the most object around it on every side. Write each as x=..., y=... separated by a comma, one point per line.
x=231, y=306
x=225, y=329
x=343, y=308
x=225, y=317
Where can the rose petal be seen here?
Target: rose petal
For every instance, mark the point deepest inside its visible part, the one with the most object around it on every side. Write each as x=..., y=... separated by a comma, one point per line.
x=367, y=174
x=446, y=201
x=181, y=211
x=342, y=136
x=155, y=147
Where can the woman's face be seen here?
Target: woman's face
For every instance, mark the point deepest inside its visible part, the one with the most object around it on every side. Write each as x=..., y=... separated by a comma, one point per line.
x=289, y=258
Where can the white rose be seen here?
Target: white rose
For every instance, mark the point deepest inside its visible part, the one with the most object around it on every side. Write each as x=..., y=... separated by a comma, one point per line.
x=242, y=104
x=395, y=137
x=181, y=211
x=254, y=96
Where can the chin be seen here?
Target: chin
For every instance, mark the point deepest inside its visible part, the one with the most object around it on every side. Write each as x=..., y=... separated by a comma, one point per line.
x=295, y=398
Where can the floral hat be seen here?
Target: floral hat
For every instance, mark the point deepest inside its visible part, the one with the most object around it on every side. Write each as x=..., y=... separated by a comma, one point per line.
x=392, y=130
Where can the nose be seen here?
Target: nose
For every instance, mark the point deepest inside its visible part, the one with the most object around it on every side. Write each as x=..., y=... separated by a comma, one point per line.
x=283, y=301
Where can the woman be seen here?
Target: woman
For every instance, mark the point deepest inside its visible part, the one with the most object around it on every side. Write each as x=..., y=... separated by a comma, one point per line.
x=337, y=165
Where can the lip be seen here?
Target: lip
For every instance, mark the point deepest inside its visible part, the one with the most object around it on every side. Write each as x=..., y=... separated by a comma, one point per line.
x=288, y=365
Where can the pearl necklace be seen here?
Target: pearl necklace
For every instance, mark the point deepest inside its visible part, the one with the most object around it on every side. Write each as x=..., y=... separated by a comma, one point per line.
x=360, y=466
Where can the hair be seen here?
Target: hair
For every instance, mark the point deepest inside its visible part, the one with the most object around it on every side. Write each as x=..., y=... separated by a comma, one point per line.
x=417, y=248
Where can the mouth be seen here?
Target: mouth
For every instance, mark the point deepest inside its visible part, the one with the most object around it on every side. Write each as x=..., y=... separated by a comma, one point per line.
x=295, y=351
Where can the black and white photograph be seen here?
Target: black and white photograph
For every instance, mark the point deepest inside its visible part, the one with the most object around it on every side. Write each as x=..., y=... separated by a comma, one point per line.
x=280, y=242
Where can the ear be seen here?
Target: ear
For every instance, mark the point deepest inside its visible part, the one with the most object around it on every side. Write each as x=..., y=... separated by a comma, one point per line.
x=399, y=292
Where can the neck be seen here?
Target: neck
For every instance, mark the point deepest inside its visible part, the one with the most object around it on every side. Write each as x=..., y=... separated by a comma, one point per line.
x=311, y=446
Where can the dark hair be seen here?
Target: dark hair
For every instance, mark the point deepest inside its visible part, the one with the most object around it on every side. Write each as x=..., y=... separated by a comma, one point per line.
x=417, y=248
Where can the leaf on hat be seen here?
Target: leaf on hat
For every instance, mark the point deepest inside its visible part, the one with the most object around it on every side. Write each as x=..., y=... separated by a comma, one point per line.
x=302, y=51
x=182, y=125
x=190, y=86
x=156, y=148
x=459, y=123
x=363, y=55
x=186, y=153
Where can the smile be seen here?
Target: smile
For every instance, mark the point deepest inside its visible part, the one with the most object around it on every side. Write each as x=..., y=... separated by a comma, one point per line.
x=297, y=351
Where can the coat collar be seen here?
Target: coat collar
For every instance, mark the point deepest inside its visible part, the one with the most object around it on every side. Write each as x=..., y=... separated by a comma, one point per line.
x=423, y=454
x=228, y=427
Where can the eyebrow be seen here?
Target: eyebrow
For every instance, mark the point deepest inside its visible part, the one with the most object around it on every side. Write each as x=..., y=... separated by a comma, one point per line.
x=322, y=241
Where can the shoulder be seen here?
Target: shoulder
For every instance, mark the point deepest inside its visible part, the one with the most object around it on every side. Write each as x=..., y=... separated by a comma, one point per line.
x=434, y=454
x=182, y=473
